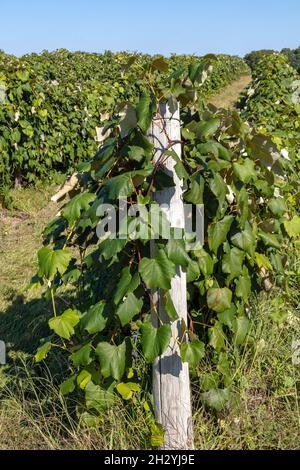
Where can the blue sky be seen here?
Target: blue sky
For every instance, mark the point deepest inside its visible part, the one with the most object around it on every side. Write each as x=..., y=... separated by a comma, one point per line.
x=165, y=26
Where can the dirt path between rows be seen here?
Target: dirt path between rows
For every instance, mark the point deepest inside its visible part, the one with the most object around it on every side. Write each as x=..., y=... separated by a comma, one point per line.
x=230, y=95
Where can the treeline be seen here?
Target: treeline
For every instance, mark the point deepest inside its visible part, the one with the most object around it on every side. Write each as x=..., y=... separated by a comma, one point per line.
x=272, y=105
x=293, y=56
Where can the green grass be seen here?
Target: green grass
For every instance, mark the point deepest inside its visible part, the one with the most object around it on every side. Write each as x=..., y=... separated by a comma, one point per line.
x=33, y=415
x=22, y=312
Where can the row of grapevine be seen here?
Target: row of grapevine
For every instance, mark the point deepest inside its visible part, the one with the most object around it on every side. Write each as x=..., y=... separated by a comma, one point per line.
x=54, y=102
x=226, y=70
x=272, y=105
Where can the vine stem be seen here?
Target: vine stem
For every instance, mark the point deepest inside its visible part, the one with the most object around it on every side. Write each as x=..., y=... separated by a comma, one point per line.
x=53, y=302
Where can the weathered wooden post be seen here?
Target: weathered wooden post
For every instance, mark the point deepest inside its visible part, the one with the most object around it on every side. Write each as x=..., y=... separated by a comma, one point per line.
x=171, y=384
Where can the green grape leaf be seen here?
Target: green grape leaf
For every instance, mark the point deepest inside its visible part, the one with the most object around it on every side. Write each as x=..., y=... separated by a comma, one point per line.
x=269, y=239
x=216, y=336
x=145, y=110
x=83, y=379
x=126, y=284
x=263, y=262
x=176, y=252
x=112, y=359
x=240, y=327
x=245, y=240
x=53, y=261
x=42, y=352
x=195, y=193
x=130, y=307
x=136, y=153
x=94, y=321
x=227, y=316
x=216, y=399
x=126, y=390
x=243, y=285
x=192, y=352
x=111, y=247
x=64, y=324
x=219, y=188
x=245, y=171
x=68, y=386
x=205, y=261
x=169, y=307
x=206, y=129
x=158, y=271
x=119, y=186
x=219, y=299
x=193, y=271
x=292, y=227
x=232, y=263
x=98, y=398
x=155, y=340
x=217, y=232
x=71, y=212
x=82, y=357
x=179, y=167
x=277, y=206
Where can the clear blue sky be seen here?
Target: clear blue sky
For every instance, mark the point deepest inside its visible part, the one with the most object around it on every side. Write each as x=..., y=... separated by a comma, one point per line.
x=165, y=26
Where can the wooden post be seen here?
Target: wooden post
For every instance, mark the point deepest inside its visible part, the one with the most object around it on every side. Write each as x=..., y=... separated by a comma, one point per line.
x=171, y=384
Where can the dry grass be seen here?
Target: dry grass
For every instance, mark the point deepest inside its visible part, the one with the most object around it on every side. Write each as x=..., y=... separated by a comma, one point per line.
x=20, y=237
x=230, y=95
x=266, y=415
x=33, y=415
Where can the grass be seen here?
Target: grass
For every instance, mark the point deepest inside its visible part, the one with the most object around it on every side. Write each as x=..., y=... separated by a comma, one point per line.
x=20, y=238
x=229, y=96
x=33, y=415
x=31, y=419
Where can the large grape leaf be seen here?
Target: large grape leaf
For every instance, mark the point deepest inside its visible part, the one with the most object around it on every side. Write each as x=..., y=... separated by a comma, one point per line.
x=53, y=261
x=219, y=299
x=71, y=212
x=154, y=340
x=145, y=109
x=245, y=240
x=192, y=352
x=82, y=357
x=293, y=226
x=232, y=263
x=94, y=320
x=217, y=232
x=129, y=308
x=158, y=271
x=64, y=324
